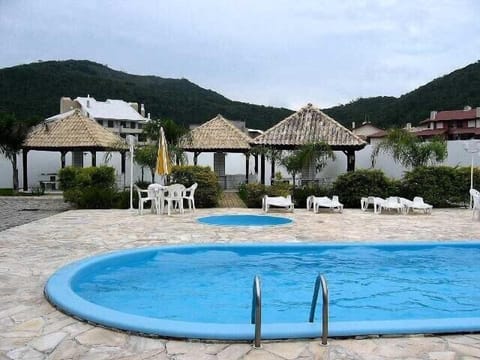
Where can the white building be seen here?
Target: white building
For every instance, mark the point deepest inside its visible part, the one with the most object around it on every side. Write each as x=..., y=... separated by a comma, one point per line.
x=118, y=116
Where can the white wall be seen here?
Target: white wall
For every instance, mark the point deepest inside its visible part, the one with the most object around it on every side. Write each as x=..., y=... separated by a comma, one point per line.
x=41, y=162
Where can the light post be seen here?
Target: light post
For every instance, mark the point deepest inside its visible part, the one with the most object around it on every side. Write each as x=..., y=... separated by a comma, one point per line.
x=472, y=147
x=131, y=140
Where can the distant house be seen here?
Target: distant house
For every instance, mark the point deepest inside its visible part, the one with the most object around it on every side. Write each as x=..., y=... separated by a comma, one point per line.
x=366, y=130
x=452, y=124
x=118, y=116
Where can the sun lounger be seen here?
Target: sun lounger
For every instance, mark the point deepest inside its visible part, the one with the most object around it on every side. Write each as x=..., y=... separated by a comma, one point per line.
x=416, y=204
x=476, y=203
x=391, y=203
x=376, y=202
x=278, y=201
x=314, y=202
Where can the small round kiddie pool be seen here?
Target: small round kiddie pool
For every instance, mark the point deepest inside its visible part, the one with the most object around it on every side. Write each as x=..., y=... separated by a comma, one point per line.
x=205, y=291
x=244, y=220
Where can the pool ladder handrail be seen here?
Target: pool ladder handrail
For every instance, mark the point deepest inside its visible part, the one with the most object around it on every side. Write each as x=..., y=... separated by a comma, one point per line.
x=321, y=280
x=257, y=310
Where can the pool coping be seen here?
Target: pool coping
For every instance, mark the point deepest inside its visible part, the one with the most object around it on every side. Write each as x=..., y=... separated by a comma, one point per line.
x=74, y=305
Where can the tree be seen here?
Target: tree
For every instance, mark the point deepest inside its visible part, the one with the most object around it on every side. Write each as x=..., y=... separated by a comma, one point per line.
x=173, y=133
x=12, y=135
x=317, y=154
x=410, y=150
x=146, y=156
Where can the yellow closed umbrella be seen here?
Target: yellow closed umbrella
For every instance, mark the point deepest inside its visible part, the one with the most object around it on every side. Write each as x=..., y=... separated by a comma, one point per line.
x=163, y=160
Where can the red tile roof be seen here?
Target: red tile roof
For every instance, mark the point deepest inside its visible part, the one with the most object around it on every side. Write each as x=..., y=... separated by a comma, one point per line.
x=453, y=115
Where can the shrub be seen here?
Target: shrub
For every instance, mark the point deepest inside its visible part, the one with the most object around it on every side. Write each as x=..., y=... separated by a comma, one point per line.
x=352, y=186
x=89, y=188
x=441, y=186
x=208, y=191
x=252, y=194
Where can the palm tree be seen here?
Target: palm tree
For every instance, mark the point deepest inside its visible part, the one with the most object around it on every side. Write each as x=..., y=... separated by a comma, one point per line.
x=317, y=154
x=410, y=150
x=13, y=133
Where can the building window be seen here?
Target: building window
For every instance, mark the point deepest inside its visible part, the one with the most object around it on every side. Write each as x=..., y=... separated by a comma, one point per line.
x=123, y=124
x=110, y=123
x=471, y=123
x=140, y=126
x=440, y=125
x=100, y=122
x=132, y=125
x=142, y=138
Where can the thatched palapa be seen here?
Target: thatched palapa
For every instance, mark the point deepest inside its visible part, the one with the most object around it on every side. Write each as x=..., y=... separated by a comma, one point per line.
x=310, y=125
x=72, y=131
x=217, y=134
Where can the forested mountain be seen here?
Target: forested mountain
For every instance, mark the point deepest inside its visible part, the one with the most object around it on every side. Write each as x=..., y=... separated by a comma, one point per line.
x=34, y=91
x=449, y=92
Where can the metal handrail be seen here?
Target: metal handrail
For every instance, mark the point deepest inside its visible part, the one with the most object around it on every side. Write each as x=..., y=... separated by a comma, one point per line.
x=321, y=281
x=257, y=310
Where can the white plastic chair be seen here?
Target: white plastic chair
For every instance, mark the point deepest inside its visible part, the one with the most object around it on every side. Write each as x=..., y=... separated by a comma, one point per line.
x=365, y=202
x=150, y=195
x=476, y=203
x=173, y=197
x=279, y=201
x=159, y=194
x=189, y=194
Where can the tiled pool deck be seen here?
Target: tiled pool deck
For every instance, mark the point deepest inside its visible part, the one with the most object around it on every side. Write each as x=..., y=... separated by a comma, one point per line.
x=30, y=328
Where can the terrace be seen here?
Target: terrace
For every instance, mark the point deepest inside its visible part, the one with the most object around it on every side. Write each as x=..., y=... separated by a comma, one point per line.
x=33, y=329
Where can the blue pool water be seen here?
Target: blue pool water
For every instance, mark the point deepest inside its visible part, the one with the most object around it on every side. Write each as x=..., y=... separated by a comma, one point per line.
x=244, y=220
x=206, y=291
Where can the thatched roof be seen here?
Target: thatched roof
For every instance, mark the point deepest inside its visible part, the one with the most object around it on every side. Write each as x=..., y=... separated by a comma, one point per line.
x=309, y=125
x=72, y=131
x=217, y=134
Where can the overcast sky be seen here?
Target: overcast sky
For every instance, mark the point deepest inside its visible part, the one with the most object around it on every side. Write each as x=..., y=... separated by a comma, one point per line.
x=271, y=52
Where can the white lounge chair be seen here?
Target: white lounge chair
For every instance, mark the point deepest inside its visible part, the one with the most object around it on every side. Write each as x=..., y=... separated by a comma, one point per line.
x=278, y=201
x=189, y=194
x=145, y=196
x=476, y=203
x=314, y=202
x=416, y=204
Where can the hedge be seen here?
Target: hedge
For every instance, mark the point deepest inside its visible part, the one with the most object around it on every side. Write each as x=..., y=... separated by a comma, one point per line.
x=208, y=191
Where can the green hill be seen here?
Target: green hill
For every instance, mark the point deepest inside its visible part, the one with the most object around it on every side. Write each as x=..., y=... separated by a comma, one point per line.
x=449, y=92
x=34, y=91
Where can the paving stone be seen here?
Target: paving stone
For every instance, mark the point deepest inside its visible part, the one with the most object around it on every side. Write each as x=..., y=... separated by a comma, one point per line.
x=34, y=325
x=234, y=351
x=441, y=355
x=48, y=342
x=25, y=353
x=288, y=350
x=100, y=336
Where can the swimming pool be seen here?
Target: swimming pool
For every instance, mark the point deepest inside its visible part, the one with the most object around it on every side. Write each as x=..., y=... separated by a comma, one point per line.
x=244, y=220
x=206, y=291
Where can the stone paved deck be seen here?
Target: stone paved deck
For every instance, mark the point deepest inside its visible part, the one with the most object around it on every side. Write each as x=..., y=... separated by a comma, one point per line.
x=19, y=210
x=30, y=328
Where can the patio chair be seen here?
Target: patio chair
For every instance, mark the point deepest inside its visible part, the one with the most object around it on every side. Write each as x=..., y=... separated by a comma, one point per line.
x=391, y=203
x=145, y=196
x=159, y=193
x=279, y=201
x=173, y=197
x=476, y=203
x=188, y=195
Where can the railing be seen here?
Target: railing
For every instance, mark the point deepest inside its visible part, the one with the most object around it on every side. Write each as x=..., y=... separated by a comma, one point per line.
x=321, y=281
x=257, y=310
